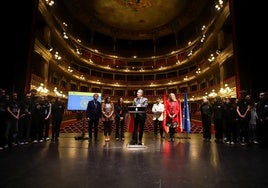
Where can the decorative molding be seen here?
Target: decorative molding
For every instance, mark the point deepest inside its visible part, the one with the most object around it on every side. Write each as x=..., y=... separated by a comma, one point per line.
x=135, y=4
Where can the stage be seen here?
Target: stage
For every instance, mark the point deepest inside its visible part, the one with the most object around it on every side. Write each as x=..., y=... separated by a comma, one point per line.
x=157, y=163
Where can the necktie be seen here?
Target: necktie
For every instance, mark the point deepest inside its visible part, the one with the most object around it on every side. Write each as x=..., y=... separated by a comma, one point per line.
x=95, y=104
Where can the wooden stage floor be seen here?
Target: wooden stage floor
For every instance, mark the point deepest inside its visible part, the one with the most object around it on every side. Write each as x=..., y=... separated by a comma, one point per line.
x=188, y=163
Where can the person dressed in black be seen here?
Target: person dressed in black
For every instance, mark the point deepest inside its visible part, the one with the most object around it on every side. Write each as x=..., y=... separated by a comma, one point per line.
x=93, y=115
x=243, y=112
x=38, y=119
x=230, y=124
x=34, y=116
x=26, y=118
x=218, y=119
x=262, y=121
x=47, y=111
x=3, y=117
x=206, y=117
x=13, y=114
x=57, y=111
x=139, y=118
x=120, y=113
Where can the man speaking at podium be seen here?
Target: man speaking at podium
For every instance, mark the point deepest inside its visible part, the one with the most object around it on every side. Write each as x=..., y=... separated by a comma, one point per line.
x=141, y=104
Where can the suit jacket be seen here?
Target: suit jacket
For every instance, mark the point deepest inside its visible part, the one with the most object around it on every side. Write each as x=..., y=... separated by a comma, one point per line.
x=93, y=111
x=142, y=102
x=158, y=110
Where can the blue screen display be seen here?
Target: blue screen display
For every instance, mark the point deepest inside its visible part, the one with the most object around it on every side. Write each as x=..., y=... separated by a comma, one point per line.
x=78, y=100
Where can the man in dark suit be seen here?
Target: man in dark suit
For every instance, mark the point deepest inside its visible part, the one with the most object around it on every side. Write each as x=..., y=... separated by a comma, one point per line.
x=93, y=114
x=139, y=118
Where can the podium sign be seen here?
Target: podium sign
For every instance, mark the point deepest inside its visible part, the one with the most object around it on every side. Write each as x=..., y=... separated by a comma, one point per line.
x=137, y=109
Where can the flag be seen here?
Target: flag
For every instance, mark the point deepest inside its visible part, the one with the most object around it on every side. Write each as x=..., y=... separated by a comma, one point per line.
x=130, y=123
x=179, y=128
x=186, y=124
x=164, y=126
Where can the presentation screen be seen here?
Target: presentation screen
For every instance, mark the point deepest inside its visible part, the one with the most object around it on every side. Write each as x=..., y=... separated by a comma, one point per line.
x=78, y=100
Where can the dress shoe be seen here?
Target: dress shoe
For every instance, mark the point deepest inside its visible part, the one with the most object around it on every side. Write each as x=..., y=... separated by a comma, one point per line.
x=132, y=142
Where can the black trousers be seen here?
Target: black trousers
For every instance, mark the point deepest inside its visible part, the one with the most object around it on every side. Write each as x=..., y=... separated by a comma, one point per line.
x=93, y=123
x=157, y=124
x=139, y=122
x=119, y=128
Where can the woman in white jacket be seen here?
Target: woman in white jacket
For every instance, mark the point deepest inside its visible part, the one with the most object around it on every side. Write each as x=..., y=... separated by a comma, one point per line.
x=158, y=117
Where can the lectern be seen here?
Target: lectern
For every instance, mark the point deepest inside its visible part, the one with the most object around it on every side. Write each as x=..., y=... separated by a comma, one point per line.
x=133, y=110
x=136, y=109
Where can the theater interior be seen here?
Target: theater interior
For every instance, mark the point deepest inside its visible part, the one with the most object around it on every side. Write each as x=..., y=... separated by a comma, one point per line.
x=115, y=47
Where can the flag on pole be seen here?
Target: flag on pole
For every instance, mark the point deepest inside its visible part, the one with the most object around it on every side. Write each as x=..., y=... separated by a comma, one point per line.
x=186, y=116
x=164, y=126
x=179, y=128
x=130, y=123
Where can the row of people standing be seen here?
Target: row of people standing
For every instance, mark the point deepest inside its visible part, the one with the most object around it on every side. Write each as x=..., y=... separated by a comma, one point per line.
x=28, y=120
x=166, y=117
x=236, y=120
x=41, y=114
x=108, y=112
x=169, y=111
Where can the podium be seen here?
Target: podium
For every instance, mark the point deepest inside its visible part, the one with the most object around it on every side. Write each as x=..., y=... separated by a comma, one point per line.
x=136, y=109
x=133, y=110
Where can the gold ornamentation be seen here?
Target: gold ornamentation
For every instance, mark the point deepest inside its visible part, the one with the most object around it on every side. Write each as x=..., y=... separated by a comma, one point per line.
x=135, y=4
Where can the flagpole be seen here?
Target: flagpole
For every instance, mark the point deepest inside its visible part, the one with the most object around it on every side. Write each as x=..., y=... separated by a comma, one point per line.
x=165, y=127
x=186, y=117
x=180, y=129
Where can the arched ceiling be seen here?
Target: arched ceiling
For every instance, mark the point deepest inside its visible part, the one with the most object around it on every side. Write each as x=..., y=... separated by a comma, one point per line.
x=133, y=19
x=123, y=29
x=172, y=28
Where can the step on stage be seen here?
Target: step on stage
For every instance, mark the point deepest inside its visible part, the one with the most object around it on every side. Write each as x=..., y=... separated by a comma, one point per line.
x=136, y=146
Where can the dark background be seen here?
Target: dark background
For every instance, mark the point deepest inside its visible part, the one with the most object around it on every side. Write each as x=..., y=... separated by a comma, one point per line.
x=250, y=35
x=250, y=44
